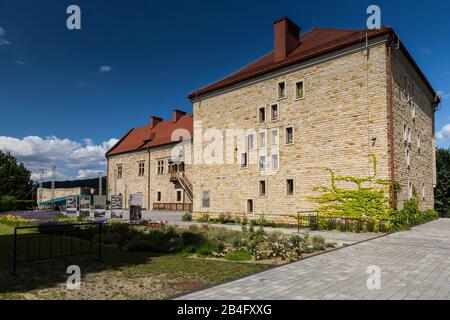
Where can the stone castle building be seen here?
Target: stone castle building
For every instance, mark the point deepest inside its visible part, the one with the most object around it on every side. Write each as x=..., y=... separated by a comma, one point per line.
x=326, y=98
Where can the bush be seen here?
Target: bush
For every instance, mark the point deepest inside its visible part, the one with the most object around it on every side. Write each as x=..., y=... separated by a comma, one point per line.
x=186, y=216
x=203, y=218
x=192, y=238
x=148, y=246
x=209, y=248
x=239, y=255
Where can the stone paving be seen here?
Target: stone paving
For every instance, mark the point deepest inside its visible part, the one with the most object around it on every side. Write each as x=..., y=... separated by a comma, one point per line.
x=414, y=265
x=330, y=236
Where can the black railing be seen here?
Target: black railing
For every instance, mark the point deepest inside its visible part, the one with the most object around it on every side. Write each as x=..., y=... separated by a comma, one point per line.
x=52, y=241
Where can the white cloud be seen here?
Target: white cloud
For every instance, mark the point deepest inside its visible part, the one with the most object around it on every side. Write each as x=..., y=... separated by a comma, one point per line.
x=3, y=41
x=444, y=133
x=105, y=69
x=425, y=52
x=72, y=159
x=443, y=95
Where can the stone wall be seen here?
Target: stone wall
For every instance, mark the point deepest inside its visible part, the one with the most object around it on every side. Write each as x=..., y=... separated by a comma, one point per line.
x=339, y=123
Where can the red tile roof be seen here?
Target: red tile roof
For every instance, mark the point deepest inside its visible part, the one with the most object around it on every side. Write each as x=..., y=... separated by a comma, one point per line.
x=313, y=43
x=147, y=137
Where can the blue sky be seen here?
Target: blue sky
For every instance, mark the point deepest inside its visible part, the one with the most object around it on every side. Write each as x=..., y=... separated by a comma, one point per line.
x=58, y=107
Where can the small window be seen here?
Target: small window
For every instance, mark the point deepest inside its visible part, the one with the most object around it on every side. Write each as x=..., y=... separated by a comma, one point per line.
x=158, y=196
x=119, y=171
x=244, y=162
x=205, y=199
x=405, y=133
x=262, y=115
x=262, y=188
x=251, y=141
x=289, y=187
x=289, y=135
x=408, y=157
x=418, y=142
x=275, y=162
x=178, y=195
x=160, y=167
x=274, y=112
x=262, y=163
x=250, y=206
x=423, y=192
x=262, y=139
x=141, y=168
x=281, y=89
x=275, y=139
x=413, y=111
x=410, y=190
x=299, y=90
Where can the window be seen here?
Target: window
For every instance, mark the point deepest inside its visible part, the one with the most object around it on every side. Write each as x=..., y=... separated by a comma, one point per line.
x=251, y=141
x=262, y=139
x=289, y=135
x=275, y=162
x=205, y=199
x=405, y=133
x=160, y=167
x=262, y=115
x=413, y=111
x=244, y=160
x=418, y=142
x=281, y=91
x=178, y=195
x=262, y=188
x=423, y=191
x=275, y=139
x=408, y=157
x=299, y=90
x=141, y=168
x=274, y=112
x=250, y=206
x=262, y=163
x=158, y=196
x=289, y=187
x=119, y=171
x=410, y=190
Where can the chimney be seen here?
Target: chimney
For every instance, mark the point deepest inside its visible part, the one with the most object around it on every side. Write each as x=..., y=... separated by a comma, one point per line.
x=154, y=121
x=286, y=37
x=177, y=114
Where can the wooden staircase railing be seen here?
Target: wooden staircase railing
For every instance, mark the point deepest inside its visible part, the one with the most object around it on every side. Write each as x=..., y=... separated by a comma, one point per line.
x=184, y=182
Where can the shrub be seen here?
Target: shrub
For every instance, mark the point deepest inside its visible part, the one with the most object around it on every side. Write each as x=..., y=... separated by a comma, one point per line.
x=192, y=238
x=148, y=246
x=203, y=218
x=186, y=216
x=209, y=248
x=239, y=255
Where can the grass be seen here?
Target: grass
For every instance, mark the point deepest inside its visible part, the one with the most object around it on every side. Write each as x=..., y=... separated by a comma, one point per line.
x=120, y=275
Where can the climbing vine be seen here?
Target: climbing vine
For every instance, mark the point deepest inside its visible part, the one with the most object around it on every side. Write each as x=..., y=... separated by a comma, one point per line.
x=367, y=200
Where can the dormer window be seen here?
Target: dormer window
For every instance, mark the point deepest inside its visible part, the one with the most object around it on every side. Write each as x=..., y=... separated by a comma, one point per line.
x=281, y=91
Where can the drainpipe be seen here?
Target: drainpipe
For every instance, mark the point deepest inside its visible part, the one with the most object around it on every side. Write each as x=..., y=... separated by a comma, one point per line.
x=148, y=185
x=391, y=124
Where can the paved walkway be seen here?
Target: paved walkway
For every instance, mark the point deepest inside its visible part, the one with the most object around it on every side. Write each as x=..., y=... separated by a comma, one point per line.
x=330, y=236
x=413, y=264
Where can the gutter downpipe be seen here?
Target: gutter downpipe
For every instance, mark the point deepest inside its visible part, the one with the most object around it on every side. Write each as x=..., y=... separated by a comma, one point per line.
x=391, y=125
x=148, y=185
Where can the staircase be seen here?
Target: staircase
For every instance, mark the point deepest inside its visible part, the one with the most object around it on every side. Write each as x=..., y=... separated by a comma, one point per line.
x=180, y=177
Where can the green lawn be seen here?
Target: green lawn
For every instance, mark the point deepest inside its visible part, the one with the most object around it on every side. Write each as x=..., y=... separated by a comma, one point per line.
x=120, y=275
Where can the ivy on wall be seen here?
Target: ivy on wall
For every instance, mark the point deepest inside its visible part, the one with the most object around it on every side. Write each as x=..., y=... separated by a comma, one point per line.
x=368, y=198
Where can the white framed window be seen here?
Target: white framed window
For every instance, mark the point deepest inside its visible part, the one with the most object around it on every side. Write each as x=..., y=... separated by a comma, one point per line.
x=119, y=171
x=275, y=161
x=262, y=114
x=274, y=112
x=244, y=160
x=290, y=187
x=206, y=200
x=250, y=207
x=281, y=89
x=141, y=168
x=300, y=89
x=160, y=168
x=275, y=137
x=251, y=141
x=262, y=139
x=289, y=134
x=262, y=188
x=262, y=163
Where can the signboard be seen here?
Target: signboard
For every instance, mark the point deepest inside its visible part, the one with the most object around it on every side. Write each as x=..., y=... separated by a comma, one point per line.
x=116, y=206
x=85, y=205
x=135, y=206
x=71, y=205
x=136, y=199
x=99, y=206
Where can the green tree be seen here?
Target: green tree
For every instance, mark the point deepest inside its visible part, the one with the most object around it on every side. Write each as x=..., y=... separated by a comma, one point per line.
x=442, y=190
x=14, y=177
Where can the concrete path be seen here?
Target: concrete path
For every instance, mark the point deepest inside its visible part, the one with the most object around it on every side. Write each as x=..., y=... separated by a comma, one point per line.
x=330, y=236
x=413, y=264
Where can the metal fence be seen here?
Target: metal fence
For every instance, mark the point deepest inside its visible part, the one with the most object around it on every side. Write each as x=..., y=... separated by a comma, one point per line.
x=50, y=241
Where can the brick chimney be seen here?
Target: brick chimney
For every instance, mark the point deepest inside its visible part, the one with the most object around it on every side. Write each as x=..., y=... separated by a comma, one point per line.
x=154, y=121
x=286, y=37
x=177, y=114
